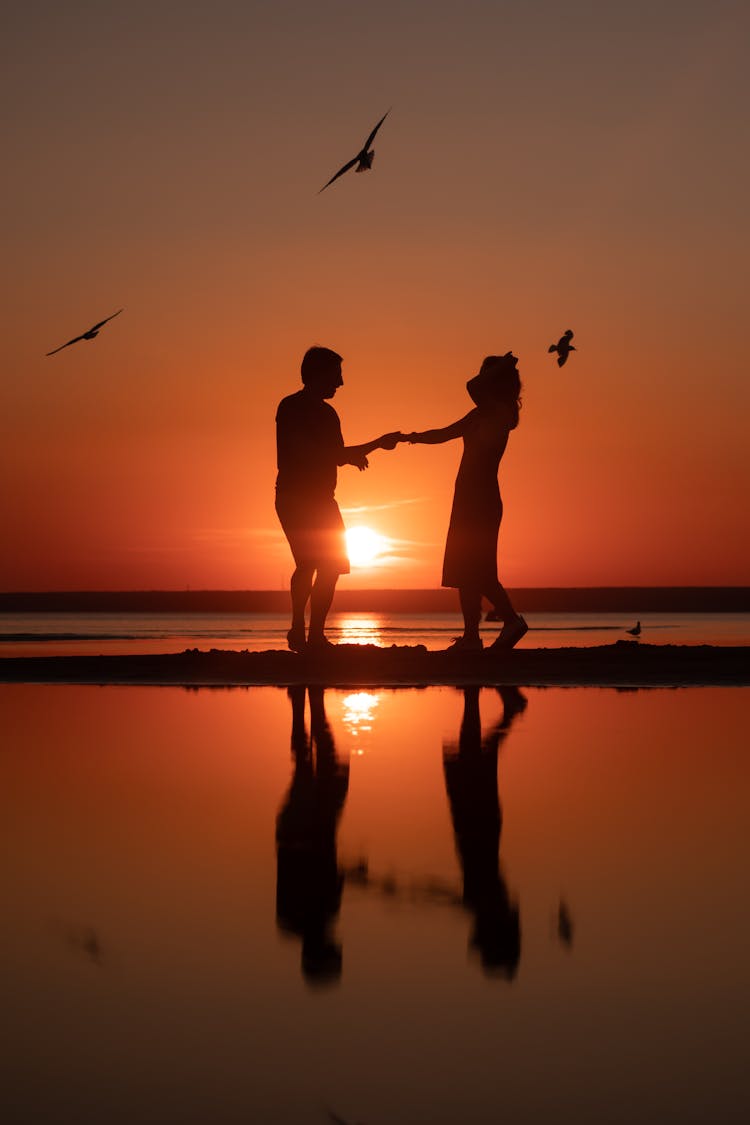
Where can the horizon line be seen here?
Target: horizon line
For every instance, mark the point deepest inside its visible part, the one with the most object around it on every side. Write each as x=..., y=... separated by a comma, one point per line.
x=57, y=590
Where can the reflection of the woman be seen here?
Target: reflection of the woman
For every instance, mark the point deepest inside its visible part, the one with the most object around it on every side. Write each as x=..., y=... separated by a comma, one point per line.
x=471, y=782
x=309, y=882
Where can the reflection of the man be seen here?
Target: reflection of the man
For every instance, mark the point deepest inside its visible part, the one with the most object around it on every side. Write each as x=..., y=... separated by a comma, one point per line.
x=309, y=882
x=470, y=767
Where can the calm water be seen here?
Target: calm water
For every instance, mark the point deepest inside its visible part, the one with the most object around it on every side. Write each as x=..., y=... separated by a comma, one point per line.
x=405, y=906
x=58, y=633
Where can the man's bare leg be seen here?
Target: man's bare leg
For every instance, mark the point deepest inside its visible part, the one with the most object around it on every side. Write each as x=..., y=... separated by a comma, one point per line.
x=320, y=602
x=301, y=587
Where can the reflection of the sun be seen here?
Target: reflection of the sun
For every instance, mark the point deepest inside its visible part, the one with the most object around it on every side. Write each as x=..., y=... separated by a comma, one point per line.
x=359, y=714
x=358, y=629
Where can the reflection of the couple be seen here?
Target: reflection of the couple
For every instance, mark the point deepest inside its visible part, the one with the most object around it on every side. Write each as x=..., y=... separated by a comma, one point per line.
x=309, y=878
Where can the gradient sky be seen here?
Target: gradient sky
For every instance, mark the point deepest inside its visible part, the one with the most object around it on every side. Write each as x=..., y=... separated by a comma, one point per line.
x=544, y=166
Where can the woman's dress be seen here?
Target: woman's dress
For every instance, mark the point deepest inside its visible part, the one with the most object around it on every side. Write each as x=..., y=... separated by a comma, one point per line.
x=471, y=545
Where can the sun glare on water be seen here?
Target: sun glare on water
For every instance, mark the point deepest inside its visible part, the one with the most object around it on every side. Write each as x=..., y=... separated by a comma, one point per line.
x=365, y=546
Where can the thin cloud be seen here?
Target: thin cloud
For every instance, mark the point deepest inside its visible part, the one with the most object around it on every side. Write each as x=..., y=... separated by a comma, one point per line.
x=364, y=509
x=404, y=545
x=146, y=549
x=233, y=534
x=213, y=535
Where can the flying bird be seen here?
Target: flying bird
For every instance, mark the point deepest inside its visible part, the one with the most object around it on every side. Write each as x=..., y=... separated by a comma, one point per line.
x=89, y=335
x=563, y=347
x=364, y=157
x=636, y=630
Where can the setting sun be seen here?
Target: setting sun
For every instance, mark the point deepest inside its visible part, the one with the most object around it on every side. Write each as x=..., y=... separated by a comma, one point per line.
x=365, y=546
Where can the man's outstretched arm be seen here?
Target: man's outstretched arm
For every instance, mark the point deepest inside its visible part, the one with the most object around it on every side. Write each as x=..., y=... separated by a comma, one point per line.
x=357, y=454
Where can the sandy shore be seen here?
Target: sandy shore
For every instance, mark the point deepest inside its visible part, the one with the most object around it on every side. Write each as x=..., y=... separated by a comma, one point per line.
x=624, y=664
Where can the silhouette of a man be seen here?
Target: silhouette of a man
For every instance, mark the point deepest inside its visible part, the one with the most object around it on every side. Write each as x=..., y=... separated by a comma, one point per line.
x=310, y=448
x=309, y=882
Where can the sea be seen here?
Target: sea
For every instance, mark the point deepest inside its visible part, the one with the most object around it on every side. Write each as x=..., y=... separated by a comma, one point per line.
x=319, y=906
x=90, y=633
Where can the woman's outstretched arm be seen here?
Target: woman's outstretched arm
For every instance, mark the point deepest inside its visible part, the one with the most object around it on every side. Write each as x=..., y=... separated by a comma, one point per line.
x=437, y=437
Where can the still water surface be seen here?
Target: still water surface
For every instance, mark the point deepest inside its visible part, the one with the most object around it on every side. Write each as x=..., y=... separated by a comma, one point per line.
x=394, y=906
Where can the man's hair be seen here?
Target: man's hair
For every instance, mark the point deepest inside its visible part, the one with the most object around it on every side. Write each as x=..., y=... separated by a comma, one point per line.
x=317, y=362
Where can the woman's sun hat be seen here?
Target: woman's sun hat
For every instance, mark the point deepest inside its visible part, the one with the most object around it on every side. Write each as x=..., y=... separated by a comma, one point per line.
x=497, y=381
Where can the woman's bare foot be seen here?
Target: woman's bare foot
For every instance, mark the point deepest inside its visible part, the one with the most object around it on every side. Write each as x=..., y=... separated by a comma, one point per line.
x=465, y=644
x=510, y=634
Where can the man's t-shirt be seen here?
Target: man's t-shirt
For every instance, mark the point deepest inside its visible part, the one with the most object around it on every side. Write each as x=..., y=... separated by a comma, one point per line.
x=308, y=445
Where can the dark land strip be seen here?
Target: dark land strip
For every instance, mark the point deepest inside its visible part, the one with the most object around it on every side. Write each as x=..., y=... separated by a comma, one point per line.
x=623, y=664
x=635, y=600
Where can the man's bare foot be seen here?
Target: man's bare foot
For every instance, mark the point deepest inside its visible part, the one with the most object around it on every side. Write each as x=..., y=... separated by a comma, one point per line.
x=295, y=638
x=320, y=644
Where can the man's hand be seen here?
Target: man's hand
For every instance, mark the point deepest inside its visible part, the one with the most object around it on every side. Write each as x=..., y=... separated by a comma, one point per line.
x=357, y=454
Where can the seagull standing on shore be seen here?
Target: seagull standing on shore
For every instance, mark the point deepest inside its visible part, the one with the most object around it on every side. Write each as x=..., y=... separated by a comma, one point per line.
x=364, y=157
x=89, y=335
x=636, y=630
x=563, y=347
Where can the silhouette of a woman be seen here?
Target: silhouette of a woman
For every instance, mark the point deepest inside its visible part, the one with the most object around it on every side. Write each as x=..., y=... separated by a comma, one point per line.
x=471, y=782
x=470, y=561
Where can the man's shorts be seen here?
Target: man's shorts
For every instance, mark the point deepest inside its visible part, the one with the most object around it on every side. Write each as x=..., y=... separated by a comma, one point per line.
x=315, y=531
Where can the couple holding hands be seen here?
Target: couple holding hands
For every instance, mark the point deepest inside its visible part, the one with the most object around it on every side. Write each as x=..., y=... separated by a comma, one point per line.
x=310, y=447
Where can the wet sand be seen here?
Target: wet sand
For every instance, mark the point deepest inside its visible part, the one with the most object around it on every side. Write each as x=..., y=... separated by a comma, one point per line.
x=623, y=664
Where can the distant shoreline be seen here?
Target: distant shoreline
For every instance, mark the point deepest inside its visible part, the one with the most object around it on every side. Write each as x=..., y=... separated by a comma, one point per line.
x=625, y=664
x=597, y=599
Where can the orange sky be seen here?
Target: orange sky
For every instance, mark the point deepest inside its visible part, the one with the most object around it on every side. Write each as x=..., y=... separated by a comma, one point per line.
x=542, y=167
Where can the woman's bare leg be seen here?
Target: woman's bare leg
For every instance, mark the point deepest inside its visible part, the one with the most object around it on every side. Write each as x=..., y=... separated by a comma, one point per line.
x=514, y=626
x=498, y=595
x=471, y=607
